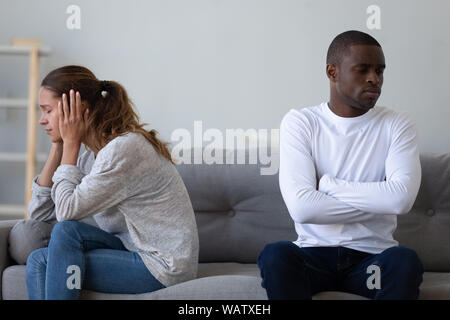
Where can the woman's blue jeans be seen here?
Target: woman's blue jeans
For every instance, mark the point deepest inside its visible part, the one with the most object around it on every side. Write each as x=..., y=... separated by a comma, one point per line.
x=291, y=272
x=81, y=256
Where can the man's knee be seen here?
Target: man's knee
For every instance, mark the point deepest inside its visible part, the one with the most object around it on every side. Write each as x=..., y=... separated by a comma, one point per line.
x=406, y=262
x=27, y=236
x=405, y=257
x=275, y=253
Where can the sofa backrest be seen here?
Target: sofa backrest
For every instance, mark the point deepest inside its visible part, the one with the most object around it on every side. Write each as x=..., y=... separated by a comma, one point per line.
x=426, y=228
x=239, y=210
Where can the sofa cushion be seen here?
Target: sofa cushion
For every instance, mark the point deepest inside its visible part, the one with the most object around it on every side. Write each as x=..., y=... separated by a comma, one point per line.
x=14, y=286
x=227, y=268
x=425, y=228
x=238, y=209
x=223, y=287
x=220, y=281
x=27, y=236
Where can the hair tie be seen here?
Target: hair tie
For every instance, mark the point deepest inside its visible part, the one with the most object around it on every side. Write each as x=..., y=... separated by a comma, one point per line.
x=104, y=87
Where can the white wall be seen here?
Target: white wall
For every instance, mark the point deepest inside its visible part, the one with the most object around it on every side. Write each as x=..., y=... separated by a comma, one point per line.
x=228, y=63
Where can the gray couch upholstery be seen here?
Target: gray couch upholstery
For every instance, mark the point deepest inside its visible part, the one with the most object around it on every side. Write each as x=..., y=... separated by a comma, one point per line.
x=239, y=211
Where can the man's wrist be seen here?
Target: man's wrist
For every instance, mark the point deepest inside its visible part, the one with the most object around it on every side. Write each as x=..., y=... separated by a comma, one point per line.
x=324, y=183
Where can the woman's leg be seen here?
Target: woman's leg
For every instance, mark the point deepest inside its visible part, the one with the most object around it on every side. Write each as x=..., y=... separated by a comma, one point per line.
x=35, y=274
x=118, y=271
x=66, y=262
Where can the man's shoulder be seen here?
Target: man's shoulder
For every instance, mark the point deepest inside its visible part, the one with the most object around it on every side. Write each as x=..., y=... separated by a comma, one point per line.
x=397, y=117
x=305, y=113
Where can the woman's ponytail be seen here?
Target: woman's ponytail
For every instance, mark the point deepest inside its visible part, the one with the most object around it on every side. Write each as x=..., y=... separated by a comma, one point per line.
x=119, y=116
x=161, y=146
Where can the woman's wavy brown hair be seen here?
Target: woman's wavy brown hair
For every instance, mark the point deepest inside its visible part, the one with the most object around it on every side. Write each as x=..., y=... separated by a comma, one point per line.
x=111, y=114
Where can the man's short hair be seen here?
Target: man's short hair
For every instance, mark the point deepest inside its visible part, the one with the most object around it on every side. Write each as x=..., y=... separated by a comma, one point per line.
x=342, y=43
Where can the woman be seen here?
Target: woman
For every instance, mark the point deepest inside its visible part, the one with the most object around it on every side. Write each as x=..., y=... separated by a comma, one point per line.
x=146, y=237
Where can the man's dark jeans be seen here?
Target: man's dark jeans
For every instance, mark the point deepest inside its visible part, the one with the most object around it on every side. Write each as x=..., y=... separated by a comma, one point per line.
x=291, y=272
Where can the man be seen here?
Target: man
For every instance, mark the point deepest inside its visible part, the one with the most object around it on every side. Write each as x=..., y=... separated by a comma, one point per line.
x=347, y=169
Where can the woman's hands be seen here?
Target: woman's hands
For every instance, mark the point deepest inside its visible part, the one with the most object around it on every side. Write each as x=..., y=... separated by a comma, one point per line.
x=72, y=126
x=72, y=120
x=52, y=163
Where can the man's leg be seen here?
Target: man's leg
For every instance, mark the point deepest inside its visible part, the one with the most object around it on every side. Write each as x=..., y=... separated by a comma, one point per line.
x=399, y=270
x=290, y=272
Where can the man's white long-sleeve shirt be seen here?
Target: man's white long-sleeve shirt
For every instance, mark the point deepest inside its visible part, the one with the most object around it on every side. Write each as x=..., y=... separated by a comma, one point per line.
x=369, y=172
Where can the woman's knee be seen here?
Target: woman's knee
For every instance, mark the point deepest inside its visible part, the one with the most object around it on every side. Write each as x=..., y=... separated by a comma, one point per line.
x=27, y=236
x=65, y=229
x=37, y=259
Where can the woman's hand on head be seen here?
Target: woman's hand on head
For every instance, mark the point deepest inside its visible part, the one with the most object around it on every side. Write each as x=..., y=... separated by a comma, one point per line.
x=72, y=119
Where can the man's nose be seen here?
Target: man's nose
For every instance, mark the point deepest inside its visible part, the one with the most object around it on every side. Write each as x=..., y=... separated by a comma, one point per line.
x=373, y=77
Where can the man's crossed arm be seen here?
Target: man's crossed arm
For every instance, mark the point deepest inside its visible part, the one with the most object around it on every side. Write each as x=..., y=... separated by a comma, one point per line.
x=335, y=200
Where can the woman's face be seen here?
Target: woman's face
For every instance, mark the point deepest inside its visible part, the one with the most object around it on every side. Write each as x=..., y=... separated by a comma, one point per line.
x=49, y=116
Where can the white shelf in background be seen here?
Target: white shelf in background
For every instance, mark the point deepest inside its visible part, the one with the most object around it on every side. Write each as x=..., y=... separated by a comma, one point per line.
x=23, y=50
x=21, y=157
x=14, y=103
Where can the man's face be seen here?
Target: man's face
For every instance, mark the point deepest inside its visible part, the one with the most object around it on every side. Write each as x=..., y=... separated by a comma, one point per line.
x=49, y=117
x=360, y=76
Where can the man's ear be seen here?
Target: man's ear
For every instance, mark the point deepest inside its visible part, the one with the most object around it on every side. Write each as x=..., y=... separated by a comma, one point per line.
x=332, y=72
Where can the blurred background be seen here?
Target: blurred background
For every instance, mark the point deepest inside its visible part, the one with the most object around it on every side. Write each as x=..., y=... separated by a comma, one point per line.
x=228, y=63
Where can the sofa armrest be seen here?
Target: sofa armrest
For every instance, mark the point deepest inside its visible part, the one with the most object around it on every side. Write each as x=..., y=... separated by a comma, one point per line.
x=5, y=260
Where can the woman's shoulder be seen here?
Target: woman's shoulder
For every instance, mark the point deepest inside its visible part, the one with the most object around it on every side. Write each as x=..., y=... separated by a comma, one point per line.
x=130, y=141
x=86, y=160
x=132, y=145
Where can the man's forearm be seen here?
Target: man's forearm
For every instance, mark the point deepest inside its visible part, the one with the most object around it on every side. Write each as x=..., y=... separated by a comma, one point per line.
x=384, y=197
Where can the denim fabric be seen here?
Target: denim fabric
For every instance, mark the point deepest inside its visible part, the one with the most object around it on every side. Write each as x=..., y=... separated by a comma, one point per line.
x=98, y=257
x=291, y=272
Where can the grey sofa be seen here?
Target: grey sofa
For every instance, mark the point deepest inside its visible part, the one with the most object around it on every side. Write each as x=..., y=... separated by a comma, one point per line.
x=239, y=211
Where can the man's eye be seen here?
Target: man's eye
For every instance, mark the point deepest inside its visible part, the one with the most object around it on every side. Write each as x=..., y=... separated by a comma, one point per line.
x=49, y=111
